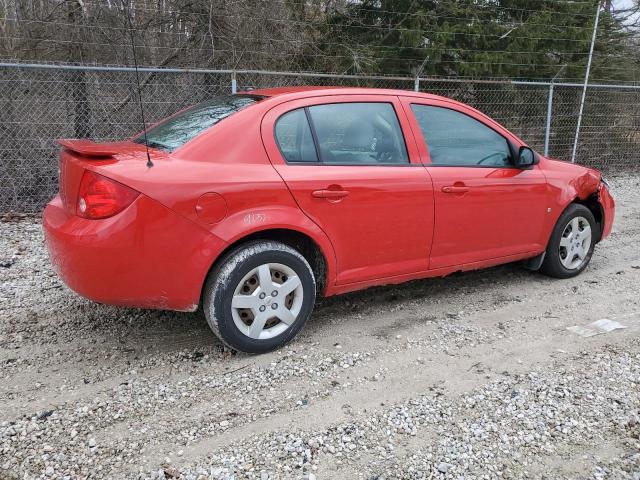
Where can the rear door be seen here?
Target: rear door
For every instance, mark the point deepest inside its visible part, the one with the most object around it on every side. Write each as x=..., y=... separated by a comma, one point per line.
x=347, y=164
x=485, y=208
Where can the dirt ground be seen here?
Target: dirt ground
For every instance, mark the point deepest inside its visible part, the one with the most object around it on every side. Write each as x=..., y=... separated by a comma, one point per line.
x=471, y=376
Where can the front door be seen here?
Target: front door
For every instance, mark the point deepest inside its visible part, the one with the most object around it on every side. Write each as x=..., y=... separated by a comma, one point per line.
x=347, y=164
x=485, y=208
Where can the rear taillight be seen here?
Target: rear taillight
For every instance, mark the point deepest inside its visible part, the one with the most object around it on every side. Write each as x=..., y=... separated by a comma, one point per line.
x=101, y=197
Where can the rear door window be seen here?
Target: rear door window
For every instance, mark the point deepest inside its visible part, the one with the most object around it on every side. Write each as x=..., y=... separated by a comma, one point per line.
x=358, y=134
x=182, y=127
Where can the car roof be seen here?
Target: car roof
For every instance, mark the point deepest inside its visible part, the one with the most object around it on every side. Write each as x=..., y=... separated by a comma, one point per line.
x=313, y=90
x=275, y=91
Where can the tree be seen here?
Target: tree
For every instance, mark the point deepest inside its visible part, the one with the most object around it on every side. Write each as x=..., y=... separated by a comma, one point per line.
x=529, y=39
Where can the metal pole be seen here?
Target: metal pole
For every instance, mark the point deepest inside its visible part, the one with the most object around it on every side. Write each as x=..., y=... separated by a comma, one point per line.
x=547, y=130
x=234, y=83
x=416, y=81
x=586, y=82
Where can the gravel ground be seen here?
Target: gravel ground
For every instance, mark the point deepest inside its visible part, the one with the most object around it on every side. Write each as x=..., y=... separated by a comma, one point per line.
x=472, y=376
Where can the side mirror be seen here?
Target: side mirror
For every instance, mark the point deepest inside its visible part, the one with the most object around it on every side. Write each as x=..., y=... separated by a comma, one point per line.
x=525, y=158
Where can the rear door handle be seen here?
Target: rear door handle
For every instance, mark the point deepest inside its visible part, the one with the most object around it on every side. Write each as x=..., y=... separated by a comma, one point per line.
x=332, y=194
x=455, y=189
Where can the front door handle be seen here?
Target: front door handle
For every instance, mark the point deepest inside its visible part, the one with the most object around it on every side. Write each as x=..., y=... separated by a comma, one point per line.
x=455, y=189
x=331, y=194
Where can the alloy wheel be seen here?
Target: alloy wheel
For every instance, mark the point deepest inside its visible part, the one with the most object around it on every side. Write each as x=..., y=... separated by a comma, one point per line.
x=575, y=243
x=267, y=301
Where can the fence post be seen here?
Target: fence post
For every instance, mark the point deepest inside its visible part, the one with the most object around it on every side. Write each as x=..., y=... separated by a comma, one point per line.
x=234, y=83
x=586, y=83
x=547, y=130
x=416, y=84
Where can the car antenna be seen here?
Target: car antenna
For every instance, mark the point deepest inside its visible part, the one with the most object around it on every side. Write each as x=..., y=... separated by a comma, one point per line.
x=135, y=64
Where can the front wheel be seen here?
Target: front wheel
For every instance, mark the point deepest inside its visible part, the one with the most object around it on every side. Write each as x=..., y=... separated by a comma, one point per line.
x=571, y=245
x=259, y=297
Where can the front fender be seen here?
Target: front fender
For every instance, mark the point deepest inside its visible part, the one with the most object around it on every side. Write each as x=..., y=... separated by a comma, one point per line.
x=580, y=187
x=567, y=183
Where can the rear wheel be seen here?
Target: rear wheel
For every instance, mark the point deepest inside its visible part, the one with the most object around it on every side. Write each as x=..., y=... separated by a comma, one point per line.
x=260, y=296
x=571, y=245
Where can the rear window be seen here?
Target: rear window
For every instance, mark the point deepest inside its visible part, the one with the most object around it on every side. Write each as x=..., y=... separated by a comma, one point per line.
x=179, y=129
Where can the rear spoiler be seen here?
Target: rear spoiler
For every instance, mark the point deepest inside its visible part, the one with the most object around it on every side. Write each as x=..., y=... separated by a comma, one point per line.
x=89, y=148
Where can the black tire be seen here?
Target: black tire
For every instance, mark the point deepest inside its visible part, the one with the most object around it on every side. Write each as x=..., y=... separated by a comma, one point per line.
x=552, y=265
x=227, y=275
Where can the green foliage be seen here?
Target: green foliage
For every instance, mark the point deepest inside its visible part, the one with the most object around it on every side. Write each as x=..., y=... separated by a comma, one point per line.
x=529, y=39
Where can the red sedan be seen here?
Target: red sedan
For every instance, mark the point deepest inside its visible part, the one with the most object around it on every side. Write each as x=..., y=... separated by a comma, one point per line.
x=255, y=203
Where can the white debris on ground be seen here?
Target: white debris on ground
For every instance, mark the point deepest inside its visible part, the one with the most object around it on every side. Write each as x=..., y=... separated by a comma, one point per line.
x=604, y=325
x=473, y=376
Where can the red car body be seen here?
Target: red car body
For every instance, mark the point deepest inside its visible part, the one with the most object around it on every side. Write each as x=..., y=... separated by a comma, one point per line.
x=231, y=183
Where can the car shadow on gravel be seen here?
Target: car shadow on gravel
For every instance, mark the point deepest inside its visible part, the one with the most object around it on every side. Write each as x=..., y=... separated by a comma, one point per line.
x=451, y=287
x=157, y=331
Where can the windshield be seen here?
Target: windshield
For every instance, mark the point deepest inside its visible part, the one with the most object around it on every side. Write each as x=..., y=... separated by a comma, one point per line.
x=179, y=129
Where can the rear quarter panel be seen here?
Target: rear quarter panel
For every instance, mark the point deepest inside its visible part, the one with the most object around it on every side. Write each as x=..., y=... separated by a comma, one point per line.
x=129, y=259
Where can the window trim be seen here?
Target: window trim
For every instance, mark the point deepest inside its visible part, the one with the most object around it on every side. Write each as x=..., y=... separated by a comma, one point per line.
x=316, y=142
x=510, y=144
x=275, y=137
x=314, y=136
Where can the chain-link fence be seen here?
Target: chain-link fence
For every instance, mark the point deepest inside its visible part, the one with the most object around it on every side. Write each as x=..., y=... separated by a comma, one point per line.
x=41, y=103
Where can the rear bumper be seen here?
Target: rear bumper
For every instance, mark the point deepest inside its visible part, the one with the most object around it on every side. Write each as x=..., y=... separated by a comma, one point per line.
x=146, y=256
x=608, y=209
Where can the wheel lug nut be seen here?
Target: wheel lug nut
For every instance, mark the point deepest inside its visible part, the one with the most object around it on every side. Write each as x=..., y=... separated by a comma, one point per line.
x=262, y=295
x=262, y=308
x=274, y=305
x=274, y=293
